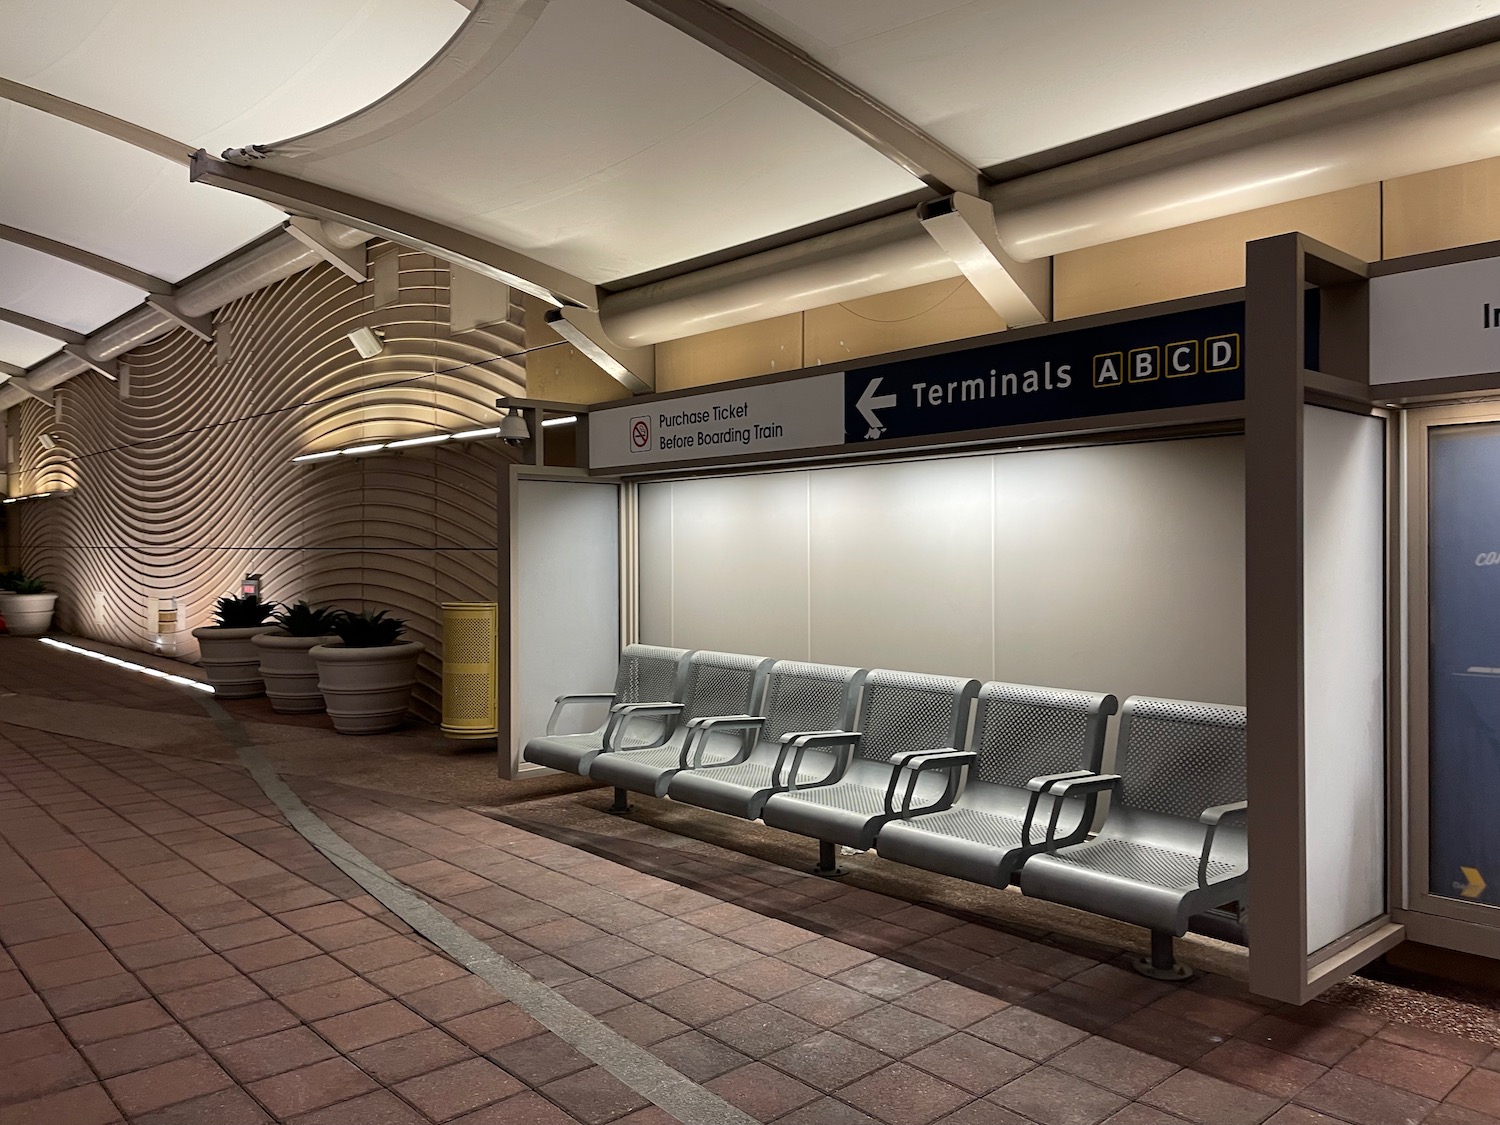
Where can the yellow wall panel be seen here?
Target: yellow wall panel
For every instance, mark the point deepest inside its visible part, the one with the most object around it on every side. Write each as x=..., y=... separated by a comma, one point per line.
x=889, y=322
x=760, y=348
x=1438, y=210
x=1209, y=256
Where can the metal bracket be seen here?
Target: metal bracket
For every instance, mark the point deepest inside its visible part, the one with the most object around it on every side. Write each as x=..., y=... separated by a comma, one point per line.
x=964, y=226
x=633, y=368
x=351, y=260
x=200, y=326
x=106, y=367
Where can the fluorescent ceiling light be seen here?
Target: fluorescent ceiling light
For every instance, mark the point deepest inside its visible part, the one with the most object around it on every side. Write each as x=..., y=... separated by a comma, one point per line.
x=155, y=673
x=493, y=431
x=36, y=496
x=355, y=450
x=327, y=453
x=565, y=421
x=430, y=439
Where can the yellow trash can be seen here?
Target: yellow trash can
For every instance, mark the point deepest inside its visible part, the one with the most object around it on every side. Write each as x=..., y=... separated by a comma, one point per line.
x=471, y=669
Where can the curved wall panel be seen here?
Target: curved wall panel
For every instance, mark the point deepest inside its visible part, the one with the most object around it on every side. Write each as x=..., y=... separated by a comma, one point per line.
x=188, y=483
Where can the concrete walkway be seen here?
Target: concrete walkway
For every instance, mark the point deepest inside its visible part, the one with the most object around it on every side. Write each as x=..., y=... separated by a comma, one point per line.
x=174, y=951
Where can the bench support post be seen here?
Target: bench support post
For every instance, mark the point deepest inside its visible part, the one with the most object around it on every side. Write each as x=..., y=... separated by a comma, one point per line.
x=622, y=802
x=828, y=861
x=1162, y=964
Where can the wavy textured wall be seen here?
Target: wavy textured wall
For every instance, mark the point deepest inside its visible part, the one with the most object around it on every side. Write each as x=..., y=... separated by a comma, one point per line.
x=188, y=483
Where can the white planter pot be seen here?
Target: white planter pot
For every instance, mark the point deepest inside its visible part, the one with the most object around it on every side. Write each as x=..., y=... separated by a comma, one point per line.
x=231, y=660
x=27, y=615
x=367, y=689
x=290, y=676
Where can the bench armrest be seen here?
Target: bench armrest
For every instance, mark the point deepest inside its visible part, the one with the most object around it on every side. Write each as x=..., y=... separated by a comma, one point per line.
x=700, y=728
x=913, y=763
x=1089, y=786
x=1211, y=818
x=622, y=714
x=562, y=701
x=1040, y=785
x=795, y=744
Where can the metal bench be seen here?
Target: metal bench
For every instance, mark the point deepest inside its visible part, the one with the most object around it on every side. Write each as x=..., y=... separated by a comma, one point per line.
x=799, y=699
x=1023, y=736
x=902, y=716
x=1174, y=842
x=647, y=676
x=722, y=686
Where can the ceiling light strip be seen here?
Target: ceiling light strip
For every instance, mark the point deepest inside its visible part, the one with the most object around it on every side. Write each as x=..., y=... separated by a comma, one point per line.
x=425, y=439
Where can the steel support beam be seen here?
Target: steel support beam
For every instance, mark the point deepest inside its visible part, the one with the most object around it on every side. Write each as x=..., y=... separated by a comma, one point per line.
x=548, y=283
x=351, y=260
x=9, y=369
x=120, y=130
x=200, y=326
x=109, y=368
x=41, y=327
x=795, y=72
x=79, y=257
x=632, y=368
x=964, y=226
x=24, y=386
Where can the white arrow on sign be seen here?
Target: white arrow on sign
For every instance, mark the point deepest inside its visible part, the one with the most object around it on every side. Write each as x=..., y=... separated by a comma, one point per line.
x=869, y=402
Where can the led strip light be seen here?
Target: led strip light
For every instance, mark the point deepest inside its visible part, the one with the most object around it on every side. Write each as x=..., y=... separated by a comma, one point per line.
x=426, y=439
x=36, y=496
x=181, y=681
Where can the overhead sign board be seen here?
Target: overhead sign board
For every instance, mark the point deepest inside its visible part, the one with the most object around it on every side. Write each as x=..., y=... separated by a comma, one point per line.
x=1176, y=359
x=1436, y=323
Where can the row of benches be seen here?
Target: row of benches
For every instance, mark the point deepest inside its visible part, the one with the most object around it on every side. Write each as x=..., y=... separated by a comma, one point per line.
x=907, y=763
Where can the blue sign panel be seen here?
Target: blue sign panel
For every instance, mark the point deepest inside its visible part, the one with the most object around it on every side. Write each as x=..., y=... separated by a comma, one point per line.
x=1464, y=605
x=1176, y=359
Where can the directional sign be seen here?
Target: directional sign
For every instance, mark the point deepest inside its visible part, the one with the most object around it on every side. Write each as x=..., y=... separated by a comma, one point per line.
x=1178, y=359
x=1473, y=884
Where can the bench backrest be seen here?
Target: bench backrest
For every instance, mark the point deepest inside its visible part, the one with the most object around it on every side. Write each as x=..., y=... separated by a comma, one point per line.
x=723, y=683
x=801, y=697
x=1021, y=732
x=910, y=711
x=1177, y=758
x=649, y=674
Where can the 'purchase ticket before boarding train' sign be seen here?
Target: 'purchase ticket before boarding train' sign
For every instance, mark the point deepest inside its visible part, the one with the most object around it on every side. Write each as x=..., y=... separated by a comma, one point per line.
x=1177, y=359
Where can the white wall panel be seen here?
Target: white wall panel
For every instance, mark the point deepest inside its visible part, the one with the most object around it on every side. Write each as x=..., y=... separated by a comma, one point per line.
x=1344, y=662
x=654, y=564
x=901, y=568
x=1122, y=568
x=567, y=538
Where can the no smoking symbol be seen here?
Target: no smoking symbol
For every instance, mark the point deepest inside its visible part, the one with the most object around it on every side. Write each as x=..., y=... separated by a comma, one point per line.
x=640, y=434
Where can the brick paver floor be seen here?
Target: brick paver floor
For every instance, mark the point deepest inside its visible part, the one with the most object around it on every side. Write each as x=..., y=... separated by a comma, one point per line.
x=171, y=951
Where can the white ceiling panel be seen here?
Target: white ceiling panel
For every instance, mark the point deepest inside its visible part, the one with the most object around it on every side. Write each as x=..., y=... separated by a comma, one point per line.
x=80, y=187
x=42, y=286
x=209, y=72
x=23, y=347
x=998, y=81
x=607, y=143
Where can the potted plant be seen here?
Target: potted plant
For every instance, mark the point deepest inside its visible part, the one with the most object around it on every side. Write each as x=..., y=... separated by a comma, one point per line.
x=367, y=674
x=290, y=676
x=228, y=656
x=26, y=604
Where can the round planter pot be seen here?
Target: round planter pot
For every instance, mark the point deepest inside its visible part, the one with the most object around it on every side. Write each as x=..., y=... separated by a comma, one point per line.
x=290, y=676
x=27, y=615
x=367, y=689
x=231, y=660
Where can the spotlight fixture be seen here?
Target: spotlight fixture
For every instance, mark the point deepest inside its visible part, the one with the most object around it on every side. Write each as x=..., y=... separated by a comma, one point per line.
x=47, y=441
x=513, y=428
x=367, y=342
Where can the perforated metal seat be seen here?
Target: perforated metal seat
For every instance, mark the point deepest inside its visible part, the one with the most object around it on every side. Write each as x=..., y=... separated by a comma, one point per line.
x=1174, y=843
x=799, y=698
x=718, y=685
x=1025, y=740
x=646, y=675
x=902, y=715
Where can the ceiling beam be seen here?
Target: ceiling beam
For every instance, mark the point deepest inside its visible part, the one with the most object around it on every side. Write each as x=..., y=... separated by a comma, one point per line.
x=41, y=327
x=304, y=197
x=795, y=72
x=9, y=369
x=80, y=257
x=89, y=118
